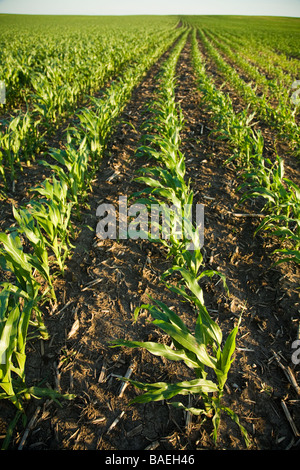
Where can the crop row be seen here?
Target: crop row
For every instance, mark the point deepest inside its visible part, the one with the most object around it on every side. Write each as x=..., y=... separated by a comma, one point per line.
x=280, y=37
x=72, y=60
x=203, y=351
x=263, y=178
x=284, y=69
x=55, y=97
x=281, y=116
x=34, y=250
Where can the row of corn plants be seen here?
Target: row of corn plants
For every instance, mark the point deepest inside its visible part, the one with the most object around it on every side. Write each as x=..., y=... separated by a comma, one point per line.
x=203, y=351
x=31, y=252
x=25, y=260
x=87, y=138
x=54, y=98
x=274, y=66
x=276, y=88
x=281, y=116
x=263, y=178
x=261, y=53
x=64, y=55
x=279, y=37
x=35, y=249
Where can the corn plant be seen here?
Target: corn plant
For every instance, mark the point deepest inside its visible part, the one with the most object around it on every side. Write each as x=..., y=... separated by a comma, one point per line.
x=265, y=179
x=74, y=171
x=49, y=100
x=28, y=227
x=285, y=224
x=286, y=229
x=22, y=267
x=202, y=352
x=15, y=314
x=96, y=124
x=54, y=221
x=174, y=201
x=15, y=146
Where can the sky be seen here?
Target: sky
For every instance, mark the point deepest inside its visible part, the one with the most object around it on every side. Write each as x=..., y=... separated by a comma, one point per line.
x=156, y=7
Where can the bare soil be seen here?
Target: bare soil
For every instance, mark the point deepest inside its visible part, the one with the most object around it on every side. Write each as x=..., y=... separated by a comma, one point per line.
x=107, y=279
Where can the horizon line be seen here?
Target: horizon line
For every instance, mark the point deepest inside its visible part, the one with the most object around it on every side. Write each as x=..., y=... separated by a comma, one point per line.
x=150, y=14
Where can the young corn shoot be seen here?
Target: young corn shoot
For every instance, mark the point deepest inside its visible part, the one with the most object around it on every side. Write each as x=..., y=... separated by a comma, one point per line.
x=22, y=265
x=15, y=314
x=195, y=351
x=73, y=171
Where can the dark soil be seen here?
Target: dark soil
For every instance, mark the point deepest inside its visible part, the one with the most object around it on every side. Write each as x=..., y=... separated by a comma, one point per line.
x=78, y=358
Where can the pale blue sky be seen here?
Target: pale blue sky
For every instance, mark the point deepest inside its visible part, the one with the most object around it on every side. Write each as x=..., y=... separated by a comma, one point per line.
x=157, y=7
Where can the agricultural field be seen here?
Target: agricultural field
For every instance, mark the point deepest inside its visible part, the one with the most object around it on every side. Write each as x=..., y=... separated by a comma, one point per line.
x=136, y=341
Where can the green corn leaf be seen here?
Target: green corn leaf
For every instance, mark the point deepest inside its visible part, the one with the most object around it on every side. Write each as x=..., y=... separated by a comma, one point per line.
x=295, y=187
x=287, y=256
x=164, y=391
x=225, y=358
x=14, y=250
x=190, y=409
x=211, y=327
x=188, y=342
x=9, y=335
x=4, y=299
x=235, y=418
x=158, y=349
x=40, y=392
x=22, y=331
x=168, y=315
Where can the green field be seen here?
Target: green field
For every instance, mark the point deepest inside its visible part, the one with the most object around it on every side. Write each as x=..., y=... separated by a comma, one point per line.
x=169, y=111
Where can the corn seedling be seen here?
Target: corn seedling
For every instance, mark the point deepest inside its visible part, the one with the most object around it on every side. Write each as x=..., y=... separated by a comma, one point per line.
x=194, y=350
x=73, y=172
x=15, y=314
x=22, y=266
x=28, y=227
x=54, y=221
x=15, y=146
